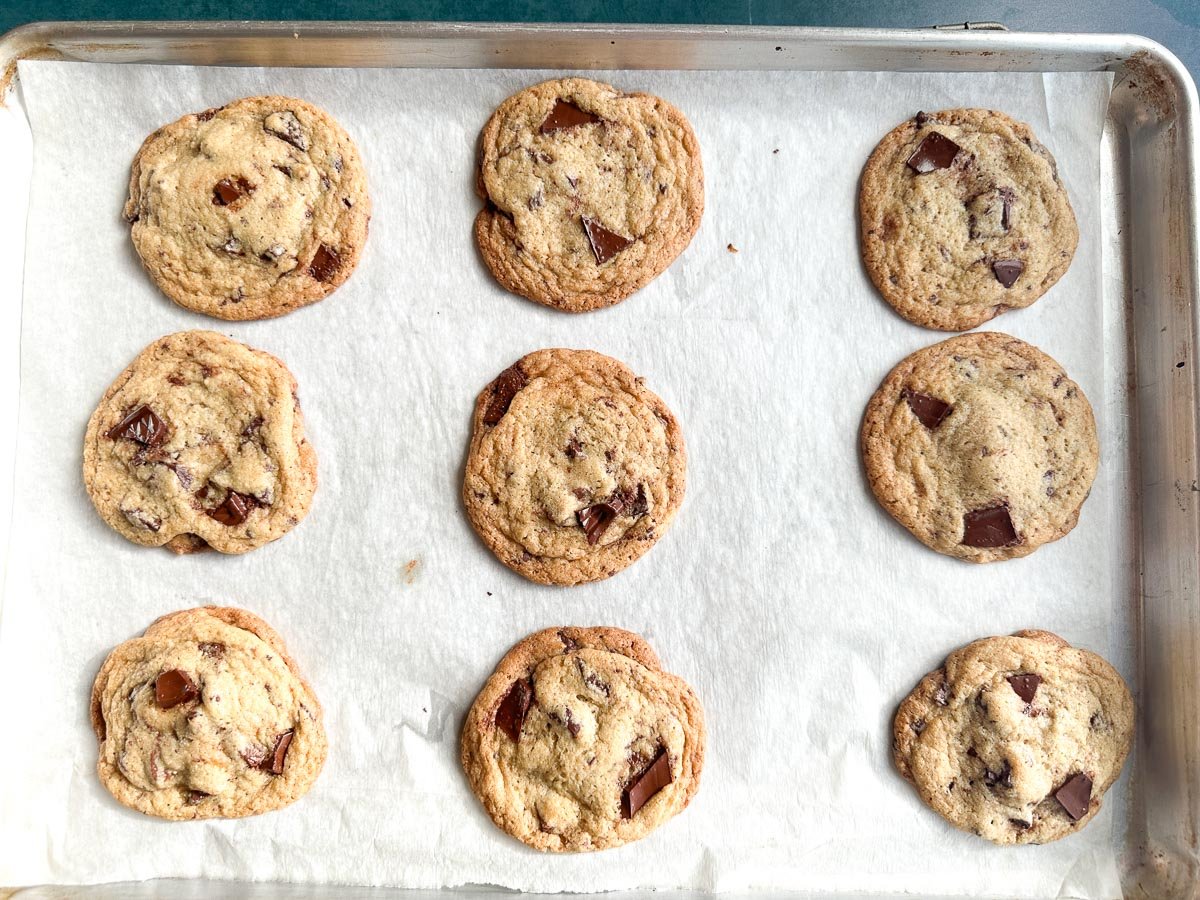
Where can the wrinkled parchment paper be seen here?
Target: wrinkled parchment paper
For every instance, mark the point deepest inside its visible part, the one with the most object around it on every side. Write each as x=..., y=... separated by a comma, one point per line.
x=797, y=609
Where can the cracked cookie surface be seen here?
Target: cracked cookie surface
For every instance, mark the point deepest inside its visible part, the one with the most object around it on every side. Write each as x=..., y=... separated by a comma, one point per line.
x=574, y=469
x=1016, y=738
x=591, y=193
x=206, y=716
x=200, y=442
x=580, y=741
x=981, y=446
x=962, y=217
x=249, y=210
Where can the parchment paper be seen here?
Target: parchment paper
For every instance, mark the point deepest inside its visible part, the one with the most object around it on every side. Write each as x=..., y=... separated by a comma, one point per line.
x=797, y=609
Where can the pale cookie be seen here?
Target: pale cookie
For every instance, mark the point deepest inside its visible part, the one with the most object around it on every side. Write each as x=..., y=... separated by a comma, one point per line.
x=1016, y=738
x=200, y=443
x=249, y=210
x=963, y=216
x=205, y=716
x=574, y=470
x=591, y=193
x=580, y=740
x=981, y=446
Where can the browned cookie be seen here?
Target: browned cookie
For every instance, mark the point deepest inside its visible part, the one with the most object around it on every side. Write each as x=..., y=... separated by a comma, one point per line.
x=249, y=210
x=963, y=216
x=591, y=193
x=580, y=740
x=574, y=470
x=981, y=446
x=1016, y=738
x=205, y=715
x=200, y=443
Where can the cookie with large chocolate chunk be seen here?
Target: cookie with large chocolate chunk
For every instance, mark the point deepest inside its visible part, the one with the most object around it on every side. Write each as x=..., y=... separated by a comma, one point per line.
x=574, y=469
x=249, y=210
x=981, y=446
x=1016, y=738
x=200, y=443
x=963, y=216
x=205, y=716
x=590, y=193
x=580, y=740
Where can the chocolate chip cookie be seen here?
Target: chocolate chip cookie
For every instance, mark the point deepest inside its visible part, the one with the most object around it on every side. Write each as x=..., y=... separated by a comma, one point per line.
x=963, y=216
x=200, y=443
x=574, y=470
x=591, y=193
x=580, y=740
x=249, y=210
x=1016, y=738
x=205, y=716
x=981, y=446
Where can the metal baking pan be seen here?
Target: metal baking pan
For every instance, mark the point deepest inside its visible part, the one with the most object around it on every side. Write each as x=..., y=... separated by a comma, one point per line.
x=1149, y=233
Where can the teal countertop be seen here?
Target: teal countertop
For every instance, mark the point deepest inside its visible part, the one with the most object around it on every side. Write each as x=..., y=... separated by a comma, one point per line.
x=1174, y=23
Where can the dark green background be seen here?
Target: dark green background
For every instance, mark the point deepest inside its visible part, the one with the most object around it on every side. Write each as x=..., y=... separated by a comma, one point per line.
x=1175, y=23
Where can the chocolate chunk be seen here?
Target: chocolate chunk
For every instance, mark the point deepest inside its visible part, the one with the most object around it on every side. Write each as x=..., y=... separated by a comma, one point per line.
x=990, y=527
x=591, y=679
x=174, y=687
x=921, y=118
x=254, y=755
x=566, y=115
x=141, y=425
x=1003, y=778
x=1075, y=796
x=569, y=720
x=988, y=213
x=506, y=386
x=229, y=190
x=935, y=152
x=930, y=410
x=280, y=754
x=595, y=519
x=1020, y=824
x=285, y=126
x=252, y=427
x=208, y=113
x=605, y=244
x=1007, y=198
x=142, y=519
x=942, y=695
x=570, y=645
x=212, y=649
x=510, y=714
x=193, y=798
x=1025, y=686
x=325, y=264
x=234, y=510
x=574, y=449
x=1007, y=271
x=636, y=505
x=652, y=780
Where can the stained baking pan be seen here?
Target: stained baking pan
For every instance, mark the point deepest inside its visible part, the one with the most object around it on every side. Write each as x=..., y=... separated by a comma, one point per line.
x=1149, y=246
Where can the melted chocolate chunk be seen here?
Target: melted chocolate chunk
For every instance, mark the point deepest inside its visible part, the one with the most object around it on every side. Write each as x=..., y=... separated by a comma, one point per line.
x=194, y=798
x=990, y=527
x=591, y=679
x=595, y=519
x=506, y=386
x=930, y=410
x=234, y=510
x=285, y=126
x=325, y=264
x=1025, y=686
x=279, y=756
x=1075, y=796
x=141, y=425
x=229, y=190
x=566, y=115
x=1007, y=271
x=510, y=714
x=605, y=244
x=936, y=151
x=174, y=687
x=1003, y=778
x=652, y=779
x=212, y=649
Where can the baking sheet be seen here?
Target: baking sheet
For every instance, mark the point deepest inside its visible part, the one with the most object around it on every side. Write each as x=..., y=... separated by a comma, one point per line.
x=796, y=608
